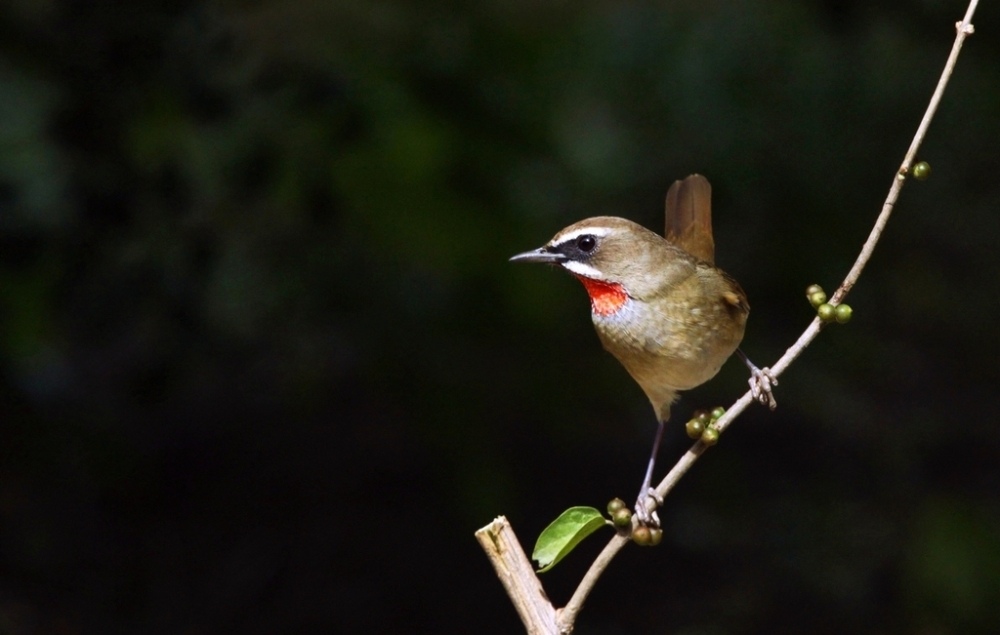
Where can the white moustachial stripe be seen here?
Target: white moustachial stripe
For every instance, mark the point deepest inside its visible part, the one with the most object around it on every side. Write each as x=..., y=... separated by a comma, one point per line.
x=583, y=270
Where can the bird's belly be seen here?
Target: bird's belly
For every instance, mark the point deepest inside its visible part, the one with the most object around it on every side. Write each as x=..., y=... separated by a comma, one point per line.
x=673, y=348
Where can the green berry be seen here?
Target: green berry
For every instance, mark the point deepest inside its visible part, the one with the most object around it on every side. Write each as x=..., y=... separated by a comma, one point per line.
x=615, y=504
x=642, y=536
x=826, y=312
x=694, y=428
x=702, y=415
x=717, y=413
x=817, y=298
x=655, y=536
x=813, y=288
x=710, y=436
x=622, y=517
x=921, y=171
x=843, y=313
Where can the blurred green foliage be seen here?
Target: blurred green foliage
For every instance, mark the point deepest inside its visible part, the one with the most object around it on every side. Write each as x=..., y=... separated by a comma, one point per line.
x=265, y=367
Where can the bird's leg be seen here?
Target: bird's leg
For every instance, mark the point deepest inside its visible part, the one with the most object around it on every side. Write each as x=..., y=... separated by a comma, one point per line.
x=646, y=517
x=761, y=382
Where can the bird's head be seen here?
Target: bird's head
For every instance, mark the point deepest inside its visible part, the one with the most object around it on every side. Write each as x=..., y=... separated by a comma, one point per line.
x=615, y=259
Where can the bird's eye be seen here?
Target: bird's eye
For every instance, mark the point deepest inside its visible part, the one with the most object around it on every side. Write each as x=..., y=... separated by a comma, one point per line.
x=586, y=243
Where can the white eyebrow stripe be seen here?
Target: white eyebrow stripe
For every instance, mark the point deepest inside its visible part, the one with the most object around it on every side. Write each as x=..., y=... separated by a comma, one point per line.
x=583, y=270
x=600, y=232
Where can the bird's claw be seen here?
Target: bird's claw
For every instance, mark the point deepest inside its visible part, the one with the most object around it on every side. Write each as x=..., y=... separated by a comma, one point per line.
x=646, y=517
x=652, y=493
x=761, y=382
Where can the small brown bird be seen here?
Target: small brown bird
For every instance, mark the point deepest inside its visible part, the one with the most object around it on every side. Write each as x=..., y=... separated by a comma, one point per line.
x=659, y=304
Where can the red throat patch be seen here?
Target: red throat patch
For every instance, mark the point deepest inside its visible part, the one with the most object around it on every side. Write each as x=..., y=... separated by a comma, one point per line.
x=606, y=298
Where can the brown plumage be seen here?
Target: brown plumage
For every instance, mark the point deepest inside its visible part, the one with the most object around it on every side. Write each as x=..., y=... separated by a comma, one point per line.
x=659, y=304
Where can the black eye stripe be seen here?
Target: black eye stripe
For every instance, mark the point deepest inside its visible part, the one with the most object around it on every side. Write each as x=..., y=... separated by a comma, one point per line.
x=580, y=247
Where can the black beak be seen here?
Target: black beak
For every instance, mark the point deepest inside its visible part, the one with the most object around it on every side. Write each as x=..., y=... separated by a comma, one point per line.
x=540, y=255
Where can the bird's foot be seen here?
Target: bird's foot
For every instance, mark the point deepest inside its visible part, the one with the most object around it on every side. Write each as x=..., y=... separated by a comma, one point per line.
x=645, y=516
x=761, y=381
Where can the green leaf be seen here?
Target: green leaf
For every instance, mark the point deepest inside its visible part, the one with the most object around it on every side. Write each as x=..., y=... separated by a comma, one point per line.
x=564, y=534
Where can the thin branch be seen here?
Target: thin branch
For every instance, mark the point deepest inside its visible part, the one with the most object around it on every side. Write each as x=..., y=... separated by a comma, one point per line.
x=964, y=29
x=567, y=616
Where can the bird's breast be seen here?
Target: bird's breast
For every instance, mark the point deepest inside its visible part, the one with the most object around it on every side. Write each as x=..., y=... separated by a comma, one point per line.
x=670, y=344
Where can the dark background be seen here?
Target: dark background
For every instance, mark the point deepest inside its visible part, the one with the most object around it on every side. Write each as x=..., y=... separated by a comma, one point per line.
x=265, y=368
